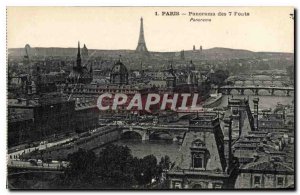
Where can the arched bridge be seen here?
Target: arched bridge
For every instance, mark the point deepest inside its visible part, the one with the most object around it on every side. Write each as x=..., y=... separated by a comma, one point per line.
x=262, y=79
x=255, y=89
x=147, y=132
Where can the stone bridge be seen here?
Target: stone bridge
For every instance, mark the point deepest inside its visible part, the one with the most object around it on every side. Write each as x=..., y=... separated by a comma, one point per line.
x=259, y=82
x=176, y=132
x=254, y=79
x=255, y=89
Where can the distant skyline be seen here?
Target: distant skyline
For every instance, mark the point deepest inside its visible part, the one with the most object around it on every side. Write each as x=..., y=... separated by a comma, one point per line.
x=115, y=28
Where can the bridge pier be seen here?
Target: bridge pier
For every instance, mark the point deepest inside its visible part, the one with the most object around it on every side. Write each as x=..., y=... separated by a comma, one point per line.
x=272, y=92
x=228, y=91
x=145, y=136
x=242, y=91
x=256, y=91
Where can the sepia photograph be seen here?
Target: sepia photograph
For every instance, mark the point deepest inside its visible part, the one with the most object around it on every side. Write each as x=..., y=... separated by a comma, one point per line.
x=150, y=98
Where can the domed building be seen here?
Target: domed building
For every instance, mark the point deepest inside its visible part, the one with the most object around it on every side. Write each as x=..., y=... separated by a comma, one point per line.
x=187, y=74
x=170, y=77
x=191, y=74
x=119, y=74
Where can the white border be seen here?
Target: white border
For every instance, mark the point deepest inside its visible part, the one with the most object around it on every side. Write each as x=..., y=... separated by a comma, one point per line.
x=4, y=3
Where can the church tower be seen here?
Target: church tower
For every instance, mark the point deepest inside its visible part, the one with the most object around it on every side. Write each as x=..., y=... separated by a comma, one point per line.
x=84, y=55
x=78, y=60
x=141, y=47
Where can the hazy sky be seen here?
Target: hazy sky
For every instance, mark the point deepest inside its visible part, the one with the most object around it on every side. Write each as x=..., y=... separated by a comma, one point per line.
x=265, y=29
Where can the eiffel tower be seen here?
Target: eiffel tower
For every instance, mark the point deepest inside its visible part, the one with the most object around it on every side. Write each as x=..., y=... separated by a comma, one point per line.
x=141, y=47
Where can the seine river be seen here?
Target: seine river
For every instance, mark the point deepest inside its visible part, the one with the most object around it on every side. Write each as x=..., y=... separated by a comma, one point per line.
x=161, y=148
x=158, y=148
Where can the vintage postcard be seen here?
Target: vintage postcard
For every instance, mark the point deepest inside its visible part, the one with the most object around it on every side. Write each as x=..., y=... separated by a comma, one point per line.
x=146, y=98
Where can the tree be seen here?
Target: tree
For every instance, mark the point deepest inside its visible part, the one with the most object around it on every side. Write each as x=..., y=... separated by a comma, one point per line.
x=80, y=172
x=150, y=169
x=165, y=163
x=218, y=77
x=115, y=167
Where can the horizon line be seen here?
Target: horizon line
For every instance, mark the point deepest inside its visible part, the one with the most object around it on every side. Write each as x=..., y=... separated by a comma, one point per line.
x=155, y=51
